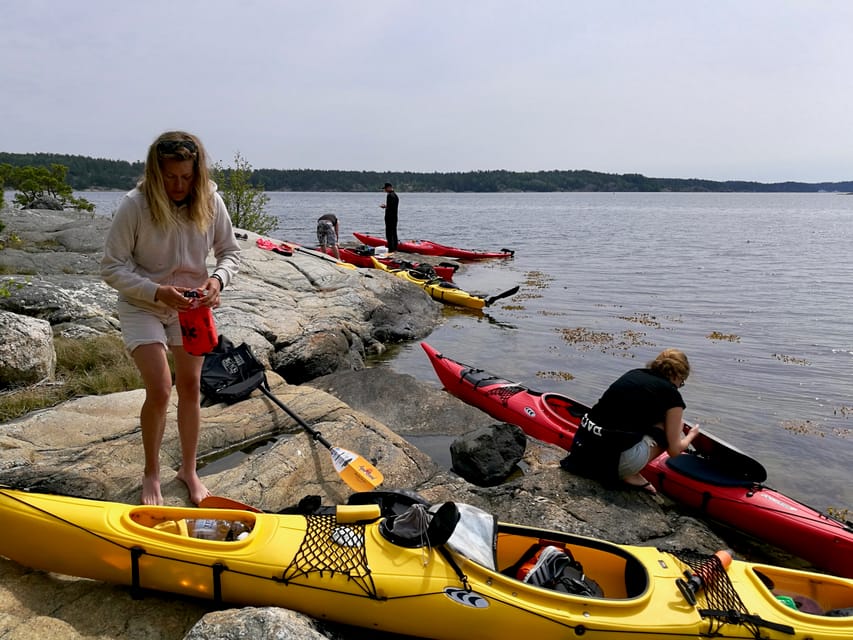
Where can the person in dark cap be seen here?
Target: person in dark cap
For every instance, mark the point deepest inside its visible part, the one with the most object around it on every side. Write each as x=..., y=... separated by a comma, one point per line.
x=390, y=206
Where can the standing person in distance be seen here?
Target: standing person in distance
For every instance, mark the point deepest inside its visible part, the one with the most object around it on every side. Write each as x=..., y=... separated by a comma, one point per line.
x=155, y=251
x=390, y=206
x=638, y=417
x=327, y=233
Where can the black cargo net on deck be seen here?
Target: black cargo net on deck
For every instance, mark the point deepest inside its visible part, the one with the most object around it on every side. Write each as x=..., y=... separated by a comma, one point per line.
x=479, y=378
x=716, y=599
x=329, y=546
x=507, y=392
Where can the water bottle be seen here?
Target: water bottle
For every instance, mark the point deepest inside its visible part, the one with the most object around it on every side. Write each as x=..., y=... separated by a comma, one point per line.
x=208, y=529
x=198, y=330
x=222, y=530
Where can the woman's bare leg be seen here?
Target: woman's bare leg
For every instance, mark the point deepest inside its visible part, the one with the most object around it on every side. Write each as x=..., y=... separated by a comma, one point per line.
x=187, y=379
x=153, y=366
x=638, y=479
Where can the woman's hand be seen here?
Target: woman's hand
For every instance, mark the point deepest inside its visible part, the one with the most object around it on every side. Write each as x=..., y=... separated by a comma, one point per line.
x=211, y=296
x=690, y=435
x=676, y=440
x=174, y=298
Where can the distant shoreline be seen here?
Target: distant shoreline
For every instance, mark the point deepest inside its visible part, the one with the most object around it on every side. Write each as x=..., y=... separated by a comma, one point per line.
x=98, y=174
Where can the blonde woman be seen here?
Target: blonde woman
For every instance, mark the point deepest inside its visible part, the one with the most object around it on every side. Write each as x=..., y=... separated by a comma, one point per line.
x=638, y=418
x=156, y=249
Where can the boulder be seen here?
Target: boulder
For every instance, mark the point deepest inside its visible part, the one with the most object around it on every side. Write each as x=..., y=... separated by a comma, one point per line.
x=26, y=352
x=255, y=622
x=46, y=202
x=488, y=455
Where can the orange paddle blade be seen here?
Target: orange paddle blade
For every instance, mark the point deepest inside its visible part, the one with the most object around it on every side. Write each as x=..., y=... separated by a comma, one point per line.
x=357, y=472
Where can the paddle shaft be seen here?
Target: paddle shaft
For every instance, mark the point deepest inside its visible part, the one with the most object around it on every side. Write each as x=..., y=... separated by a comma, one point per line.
x=354, y=470
x=318, y=254
x=314, y=433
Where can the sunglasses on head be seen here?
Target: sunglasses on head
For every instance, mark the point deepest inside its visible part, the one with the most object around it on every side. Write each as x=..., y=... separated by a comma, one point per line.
x=176, y=147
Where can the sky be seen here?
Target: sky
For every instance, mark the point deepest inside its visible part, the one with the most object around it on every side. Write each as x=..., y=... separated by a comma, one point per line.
x=716, y=89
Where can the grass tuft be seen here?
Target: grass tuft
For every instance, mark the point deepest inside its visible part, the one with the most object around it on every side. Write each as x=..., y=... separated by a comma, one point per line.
x=89, y=367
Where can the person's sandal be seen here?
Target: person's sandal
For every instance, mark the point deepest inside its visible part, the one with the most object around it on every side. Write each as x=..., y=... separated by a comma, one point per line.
x=648, y=487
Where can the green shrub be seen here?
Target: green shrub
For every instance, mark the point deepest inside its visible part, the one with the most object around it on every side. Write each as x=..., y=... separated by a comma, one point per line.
x=246, y=203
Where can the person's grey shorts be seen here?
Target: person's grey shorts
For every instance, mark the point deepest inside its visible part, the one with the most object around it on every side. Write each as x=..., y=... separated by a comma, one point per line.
x=141, y=326
x=634, y=459
x=326, y=233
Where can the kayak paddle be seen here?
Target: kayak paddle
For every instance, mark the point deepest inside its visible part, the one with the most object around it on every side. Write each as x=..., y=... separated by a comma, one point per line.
x=505, y=294
x=229, y=374
x=353, y=469
x=320, y=254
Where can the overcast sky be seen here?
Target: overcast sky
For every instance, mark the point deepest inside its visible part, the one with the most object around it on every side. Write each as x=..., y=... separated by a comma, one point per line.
x=741, y=89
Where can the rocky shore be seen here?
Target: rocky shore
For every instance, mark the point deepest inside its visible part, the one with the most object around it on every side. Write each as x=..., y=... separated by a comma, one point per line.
x=313, y=323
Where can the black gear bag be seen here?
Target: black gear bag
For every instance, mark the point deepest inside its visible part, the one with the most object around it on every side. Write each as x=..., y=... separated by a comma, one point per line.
x=229, y=374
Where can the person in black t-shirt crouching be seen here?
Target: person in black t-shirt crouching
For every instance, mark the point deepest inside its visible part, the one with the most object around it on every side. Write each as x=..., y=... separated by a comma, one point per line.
x=636, y=419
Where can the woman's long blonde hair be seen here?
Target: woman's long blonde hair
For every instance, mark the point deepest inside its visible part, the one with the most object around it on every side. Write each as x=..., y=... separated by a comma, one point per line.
x=178, y=145
x=670, y=363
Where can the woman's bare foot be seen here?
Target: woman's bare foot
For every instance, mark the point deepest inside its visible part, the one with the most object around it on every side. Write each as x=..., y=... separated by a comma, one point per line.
x=198, y=491
x=151, y=490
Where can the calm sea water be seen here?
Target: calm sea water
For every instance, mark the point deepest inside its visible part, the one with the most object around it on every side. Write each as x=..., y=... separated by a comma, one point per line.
x=755, y=288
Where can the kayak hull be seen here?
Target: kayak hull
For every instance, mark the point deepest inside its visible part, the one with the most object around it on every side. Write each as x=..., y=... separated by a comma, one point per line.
x=342, y=567
x=704, y=485
x=429, y=248
x=436, y=289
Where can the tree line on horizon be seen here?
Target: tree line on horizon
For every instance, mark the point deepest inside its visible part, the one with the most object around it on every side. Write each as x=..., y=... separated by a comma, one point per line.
x=92, y=174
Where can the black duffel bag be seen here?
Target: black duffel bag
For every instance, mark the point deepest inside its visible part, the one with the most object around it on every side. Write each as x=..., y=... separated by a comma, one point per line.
x=230, y=374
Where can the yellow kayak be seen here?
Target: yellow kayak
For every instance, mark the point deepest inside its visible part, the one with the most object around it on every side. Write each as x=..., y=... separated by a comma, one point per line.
x=442, y=290
x=390, y=563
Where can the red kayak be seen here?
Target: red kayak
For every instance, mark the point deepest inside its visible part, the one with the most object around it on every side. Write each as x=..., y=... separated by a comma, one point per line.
x=445, y=270
x=722, y=482
x=427, y=248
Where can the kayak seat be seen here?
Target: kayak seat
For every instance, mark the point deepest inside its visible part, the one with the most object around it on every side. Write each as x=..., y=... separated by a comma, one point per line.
x=707, y=471
x=416, y=527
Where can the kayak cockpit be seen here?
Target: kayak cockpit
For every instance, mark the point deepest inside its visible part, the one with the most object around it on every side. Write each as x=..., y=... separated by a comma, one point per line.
x=564, y=410
x=220, y=525
x=590, y=567
x=804, y=593
x=561, y=562
x=209, y=525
